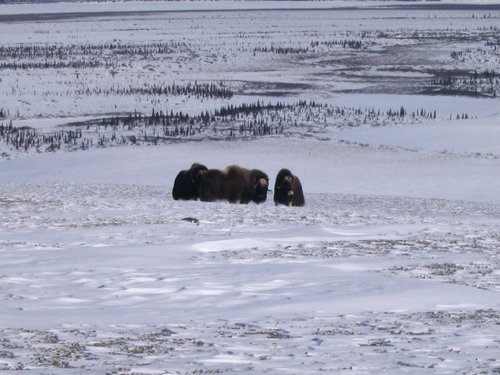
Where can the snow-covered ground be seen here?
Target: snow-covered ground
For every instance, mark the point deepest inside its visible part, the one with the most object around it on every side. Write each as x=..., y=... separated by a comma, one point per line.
x=110, y=277
x=392, y=266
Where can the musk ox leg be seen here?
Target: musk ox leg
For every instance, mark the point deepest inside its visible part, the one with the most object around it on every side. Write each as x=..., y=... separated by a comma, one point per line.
x=205, y=193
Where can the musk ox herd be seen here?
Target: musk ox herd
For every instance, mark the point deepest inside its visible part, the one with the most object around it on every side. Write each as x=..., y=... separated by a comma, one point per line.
x=236, y=185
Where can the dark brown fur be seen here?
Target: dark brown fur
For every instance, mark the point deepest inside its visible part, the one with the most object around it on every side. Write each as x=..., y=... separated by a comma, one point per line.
x=187, y=181
x=288, y=189
x=234, y=184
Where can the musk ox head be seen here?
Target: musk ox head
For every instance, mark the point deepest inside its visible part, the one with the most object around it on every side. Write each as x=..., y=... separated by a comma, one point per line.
x=260, y=185
x=196, y=171
x=288, y=189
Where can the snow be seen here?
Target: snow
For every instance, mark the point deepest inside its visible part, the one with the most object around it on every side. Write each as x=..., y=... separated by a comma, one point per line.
x=351, y=169
x=110, y=266
x=392, y=266
x=181, y=6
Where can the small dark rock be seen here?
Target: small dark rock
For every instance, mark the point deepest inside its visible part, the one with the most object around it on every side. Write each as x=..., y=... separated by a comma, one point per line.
x=191, y=220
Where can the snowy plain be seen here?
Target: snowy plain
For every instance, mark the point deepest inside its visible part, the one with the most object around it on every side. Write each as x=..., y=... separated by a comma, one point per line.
x=393, y=264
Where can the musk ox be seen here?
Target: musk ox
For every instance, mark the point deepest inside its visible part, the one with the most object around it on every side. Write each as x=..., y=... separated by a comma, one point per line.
x=288, y=189
x=186, y=182
x=234, y=184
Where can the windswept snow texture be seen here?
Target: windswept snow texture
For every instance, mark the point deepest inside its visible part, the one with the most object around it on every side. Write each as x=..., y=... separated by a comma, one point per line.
x=387, y=111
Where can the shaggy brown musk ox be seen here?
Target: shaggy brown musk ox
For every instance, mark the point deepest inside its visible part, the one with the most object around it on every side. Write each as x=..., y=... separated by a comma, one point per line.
x=234, y=184
x=288, y=189
x=186, y=182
